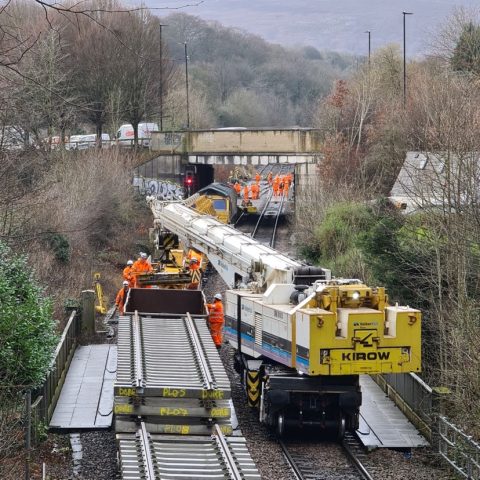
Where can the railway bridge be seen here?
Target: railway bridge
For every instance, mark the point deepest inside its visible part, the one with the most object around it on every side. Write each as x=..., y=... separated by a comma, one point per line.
x=196, y=152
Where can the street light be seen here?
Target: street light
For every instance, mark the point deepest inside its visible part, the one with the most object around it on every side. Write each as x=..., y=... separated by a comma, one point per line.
x=186, y=86
x=405, y=61
x=369, y=47
x=160, y=93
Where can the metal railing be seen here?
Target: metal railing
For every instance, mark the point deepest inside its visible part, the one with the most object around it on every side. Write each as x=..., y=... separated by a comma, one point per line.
x=413, y=396
x=424, y=407
x=459, y=450
x=47, y=396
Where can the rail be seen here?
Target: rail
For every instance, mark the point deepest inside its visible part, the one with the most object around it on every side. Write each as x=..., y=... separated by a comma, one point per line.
x=226, y=454
x=351, y=445
x=291, y=462
x=149, y=456
x=200, y=358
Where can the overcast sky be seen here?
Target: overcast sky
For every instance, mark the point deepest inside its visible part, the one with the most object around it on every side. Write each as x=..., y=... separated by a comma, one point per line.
x=326, y=24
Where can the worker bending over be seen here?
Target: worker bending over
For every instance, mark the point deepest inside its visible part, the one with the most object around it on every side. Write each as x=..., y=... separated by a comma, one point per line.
x=142, y=265
x=216, y=319
x=128, y=274
x=122, y=297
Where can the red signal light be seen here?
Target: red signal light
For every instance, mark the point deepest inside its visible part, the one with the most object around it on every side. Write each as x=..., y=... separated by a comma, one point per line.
x=189, y=181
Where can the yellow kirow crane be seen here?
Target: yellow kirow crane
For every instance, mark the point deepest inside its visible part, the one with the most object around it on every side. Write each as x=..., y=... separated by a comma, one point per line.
x=302, y=337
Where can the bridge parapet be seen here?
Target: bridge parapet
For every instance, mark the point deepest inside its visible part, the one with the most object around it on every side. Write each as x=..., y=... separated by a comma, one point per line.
x=239, y=142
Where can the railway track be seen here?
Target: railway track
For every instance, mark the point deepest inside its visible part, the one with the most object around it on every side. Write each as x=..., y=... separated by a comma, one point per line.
x=144, y=456
x=170, y=374
x=265, y=229
x=327, y=461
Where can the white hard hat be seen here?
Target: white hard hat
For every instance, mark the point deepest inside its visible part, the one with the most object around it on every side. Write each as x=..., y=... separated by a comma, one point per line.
x=125, y=283
x=218, y=296
x=143, y=255
x=130, y=262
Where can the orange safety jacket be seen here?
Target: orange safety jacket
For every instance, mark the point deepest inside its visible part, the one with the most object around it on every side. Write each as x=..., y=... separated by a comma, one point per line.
x=141, y=266
x=129, y=276
x=121, y=298
x=215, y=312
x=215, y=321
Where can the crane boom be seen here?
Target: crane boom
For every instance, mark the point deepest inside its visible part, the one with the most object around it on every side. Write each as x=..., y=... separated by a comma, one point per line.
x=236, y=256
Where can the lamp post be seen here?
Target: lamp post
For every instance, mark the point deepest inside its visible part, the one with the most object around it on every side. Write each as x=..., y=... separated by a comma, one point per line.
x=369, y=47
x=160, y=87
x=186, y=86
x=405, y=61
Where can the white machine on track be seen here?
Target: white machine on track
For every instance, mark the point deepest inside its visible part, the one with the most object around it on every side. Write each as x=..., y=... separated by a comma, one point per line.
x=302, y=338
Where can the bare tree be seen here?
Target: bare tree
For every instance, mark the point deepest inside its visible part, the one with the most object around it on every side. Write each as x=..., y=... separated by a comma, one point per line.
x=141, y=69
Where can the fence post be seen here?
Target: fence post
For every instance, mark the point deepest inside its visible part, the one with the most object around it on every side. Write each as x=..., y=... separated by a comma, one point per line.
x=439, y=397
x=88, y=311
x=28, y=432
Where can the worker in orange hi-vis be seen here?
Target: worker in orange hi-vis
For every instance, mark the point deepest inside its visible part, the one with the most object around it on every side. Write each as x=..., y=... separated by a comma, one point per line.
x=122, y=297
x=142, y=265
x=257, y=191
x=257, y=178
x=237, y=188
x=276, y=183
x=216, y=320
x=195, y=273
x=286, y=186
x=255, y=188
x=246, y=193
x=281, y=186
x=270, y=178
x=128, y=274
x=275, y=189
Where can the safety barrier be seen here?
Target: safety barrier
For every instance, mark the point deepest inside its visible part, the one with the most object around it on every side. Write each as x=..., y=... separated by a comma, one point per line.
x=459, y=450
x=47, y=396
x=413, y=396
x=424, y=407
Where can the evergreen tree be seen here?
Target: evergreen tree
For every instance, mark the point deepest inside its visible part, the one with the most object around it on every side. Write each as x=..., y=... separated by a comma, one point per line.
x=27, y=329
x=466, y=55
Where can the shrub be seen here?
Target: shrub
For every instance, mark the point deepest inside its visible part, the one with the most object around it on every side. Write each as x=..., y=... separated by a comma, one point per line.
x=27, y=329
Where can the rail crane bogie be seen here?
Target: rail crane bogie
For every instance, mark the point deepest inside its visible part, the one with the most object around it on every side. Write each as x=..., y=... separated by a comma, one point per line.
x=302, y=338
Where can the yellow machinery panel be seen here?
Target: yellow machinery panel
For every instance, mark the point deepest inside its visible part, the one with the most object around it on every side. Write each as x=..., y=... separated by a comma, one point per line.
x=355, y=333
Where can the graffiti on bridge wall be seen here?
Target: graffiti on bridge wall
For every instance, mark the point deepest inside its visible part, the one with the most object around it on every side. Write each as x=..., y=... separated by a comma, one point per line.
x=162, y=189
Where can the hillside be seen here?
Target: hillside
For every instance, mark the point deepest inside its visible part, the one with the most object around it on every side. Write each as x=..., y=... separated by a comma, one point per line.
x=239, y=79
x=325, y=24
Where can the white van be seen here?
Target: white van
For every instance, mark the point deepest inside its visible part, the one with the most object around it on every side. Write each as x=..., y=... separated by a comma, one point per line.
x=125, y=135
x=83, y=142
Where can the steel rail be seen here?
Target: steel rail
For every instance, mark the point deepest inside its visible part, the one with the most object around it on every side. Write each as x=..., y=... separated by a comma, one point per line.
x=272, y=241
x=138, y=353
x=200, y=356
x=226, y=454
x=356, y=462
x=146, y=452
x=293, y=464
x=267, y=203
